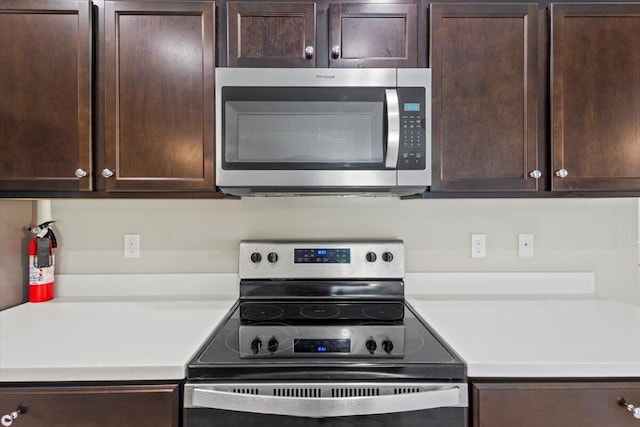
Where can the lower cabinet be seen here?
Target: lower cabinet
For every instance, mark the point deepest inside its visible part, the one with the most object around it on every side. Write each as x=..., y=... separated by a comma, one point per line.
x=94, y=406
x=553, y=404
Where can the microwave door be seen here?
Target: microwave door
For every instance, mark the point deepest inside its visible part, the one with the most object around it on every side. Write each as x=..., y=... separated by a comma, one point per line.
x=393, y=128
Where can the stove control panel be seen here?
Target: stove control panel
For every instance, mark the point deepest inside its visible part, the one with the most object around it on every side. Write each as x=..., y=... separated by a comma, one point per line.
x=363, y=341
x=383, y=259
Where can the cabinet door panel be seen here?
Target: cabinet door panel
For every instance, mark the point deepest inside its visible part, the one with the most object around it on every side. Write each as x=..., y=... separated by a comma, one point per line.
x=45, y=95
x=596, y=96
x=586, y=404
x=484, y=62
x=159, y=95
x=373, y=35
x=271, y=34
x=109, y=406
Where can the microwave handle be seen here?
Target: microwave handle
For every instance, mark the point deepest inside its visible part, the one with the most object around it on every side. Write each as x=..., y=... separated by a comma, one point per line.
x=393, y=128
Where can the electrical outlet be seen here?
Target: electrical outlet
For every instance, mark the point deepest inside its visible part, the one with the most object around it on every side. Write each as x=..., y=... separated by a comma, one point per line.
x=525, y=245
x=132, y=246
x=478, y=246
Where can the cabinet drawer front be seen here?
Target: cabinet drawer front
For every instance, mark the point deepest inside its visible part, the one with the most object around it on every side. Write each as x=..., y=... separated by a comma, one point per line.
x=592, y=404
x=96, y=406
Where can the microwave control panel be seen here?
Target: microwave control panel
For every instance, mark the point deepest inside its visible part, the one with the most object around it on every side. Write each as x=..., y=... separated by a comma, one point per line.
x=412, y=152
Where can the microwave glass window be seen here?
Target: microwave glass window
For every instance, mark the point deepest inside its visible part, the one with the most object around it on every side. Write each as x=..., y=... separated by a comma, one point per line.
x=303, y=132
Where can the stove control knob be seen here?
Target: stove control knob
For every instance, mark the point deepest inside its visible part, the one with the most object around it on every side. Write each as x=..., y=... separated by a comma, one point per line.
x=387, y=257
x=256, y=257
x=272, y=345
x=387, y=346
x=371, y=256
x=371, y=345
x=256, y=345
x=272, y=257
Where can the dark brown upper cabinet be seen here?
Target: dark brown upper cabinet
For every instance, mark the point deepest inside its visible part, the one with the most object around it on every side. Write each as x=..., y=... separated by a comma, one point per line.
x=484, y=62
x=159, y=120
x=595, y=92
x=271, y=34
x=45, y=95
x=288, y=34
x=373, y=35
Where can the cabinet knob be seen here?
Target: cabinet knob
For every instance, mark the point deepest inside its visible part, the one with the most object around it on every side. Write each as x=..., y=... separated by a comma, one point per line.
x=562, y=173
x=635, y=411
x=107, y=173
x=535, y=174
x=335, y=52
x=81, y=173
x=7, y=419
x=308, y=52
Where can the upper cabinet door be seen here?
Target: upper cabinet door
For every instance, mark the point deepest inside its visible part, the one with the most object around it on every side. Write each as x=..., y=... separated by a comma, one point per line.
x=159, y=121
x=485, y=74
x=271, y=34
x=595, y=71
x=45, y=95
x=373, y=35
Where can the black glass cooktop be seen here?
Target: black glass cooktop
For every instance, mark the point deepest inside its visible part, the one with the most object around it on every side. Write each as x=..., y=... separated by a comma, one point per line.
x=422, y=357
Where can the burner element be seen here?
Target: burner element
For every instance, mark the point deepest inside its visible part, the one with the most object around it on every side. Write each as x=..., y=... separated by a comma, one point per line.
x=261, y=312
x=382, y=312
x=319, y=311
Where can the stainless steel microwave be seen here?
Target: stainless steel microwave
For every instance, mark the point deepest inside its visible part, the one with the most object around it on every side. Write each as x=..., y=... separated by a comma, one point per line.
x=323, y=131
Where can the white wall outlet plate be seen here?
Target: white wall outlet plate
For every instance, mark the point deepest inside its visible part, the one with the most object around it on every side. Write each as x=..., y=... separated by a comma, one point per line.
x=478, y=246
x=525, y=245
x=132, y=246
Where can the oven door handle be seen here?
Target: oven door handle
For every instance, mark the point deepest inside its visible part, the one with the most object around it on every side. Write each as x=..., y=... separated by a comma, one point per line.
x=393, y=128
x=328, y=406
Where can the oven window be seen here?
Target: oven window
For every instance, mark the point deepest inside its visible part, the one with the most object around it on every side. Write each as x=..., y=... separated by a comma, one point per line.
x=339, y=131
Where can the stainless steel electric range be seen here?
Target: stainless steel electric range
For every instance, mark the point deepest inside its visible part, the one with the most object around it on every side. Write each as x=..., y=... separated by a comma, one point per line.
x=321, y=331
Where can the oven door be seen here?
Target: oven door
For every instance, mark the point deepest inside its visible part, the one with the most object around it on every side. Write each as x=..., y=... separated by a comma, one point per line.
x=275, y=130
x=326, y=404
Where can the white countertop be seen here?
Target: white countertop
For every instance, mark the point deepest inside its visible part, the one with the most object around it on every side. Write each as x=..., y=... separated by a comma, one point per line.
x=133, y=337
x=71, y=339
x=537, y=336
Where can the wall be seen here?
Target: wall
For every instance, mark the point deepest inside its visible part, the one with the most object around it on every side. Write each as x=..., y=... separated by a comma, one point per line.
x=178, y=236
x=15, y=217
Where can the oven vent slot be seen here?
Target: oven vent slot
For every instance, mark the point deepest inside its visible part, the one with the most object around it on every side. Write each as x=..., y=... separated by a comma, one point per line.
x=297, y=392
x=354, y=392
x=245, y=390
x=406, y=390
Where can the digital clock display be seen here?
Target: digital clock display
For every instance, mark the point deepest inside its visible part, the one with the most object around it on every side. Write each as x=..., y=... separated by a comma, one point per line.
x=322, y=256
x=322, y=346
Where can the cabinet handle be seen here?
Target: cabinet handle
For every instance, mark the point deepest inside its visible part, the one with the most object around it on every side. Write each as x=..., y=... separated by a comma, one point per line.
x=335, y=52
x=535, y=174
x=81, y=173
x=7, y=420
x=633, y=409
x=107, y=173
x=562, y=173
x=308, y=52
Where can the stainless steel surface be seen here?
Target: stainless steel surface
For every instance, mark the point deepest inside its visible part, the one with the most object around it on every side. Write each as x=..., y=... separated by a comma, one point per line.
x=377, y=182
x=393, y=128
x=285, y=268
x=80, y=173
x=287, y=335
x=303, y=77
x=562, y=173
x=330, y=399
x=308, y=51
x=535, y=174
x=335, y=52
x=107, y=173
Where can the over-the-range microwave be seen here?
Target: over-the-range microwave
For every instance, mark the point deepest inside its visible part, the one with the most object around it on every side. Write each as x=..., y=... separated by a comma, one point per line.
x=323, y=131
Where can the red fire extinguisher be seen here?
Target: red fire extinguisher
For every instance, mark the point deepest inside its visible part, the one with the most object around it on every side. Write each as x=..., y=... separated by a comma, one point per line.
x=41, y=263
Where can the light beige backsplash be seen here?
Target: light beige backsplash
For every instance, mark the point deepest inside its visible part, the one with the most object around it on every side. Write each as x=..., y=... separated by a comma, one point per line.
x=201, y=236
